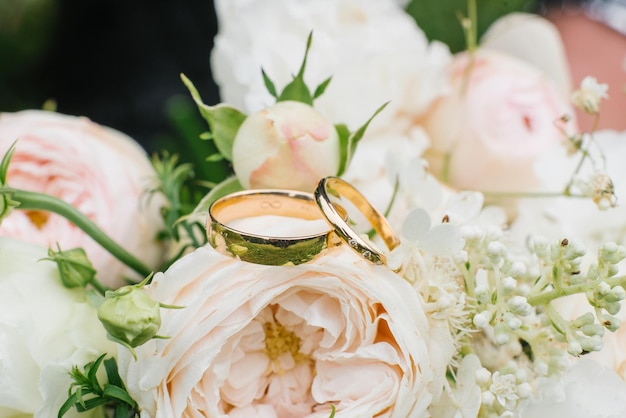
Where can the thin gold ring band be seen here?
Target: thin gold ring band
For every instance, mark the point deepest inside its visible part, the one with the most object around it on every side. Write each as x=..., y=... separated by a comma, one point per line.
x=334, y=186
x=263, y=249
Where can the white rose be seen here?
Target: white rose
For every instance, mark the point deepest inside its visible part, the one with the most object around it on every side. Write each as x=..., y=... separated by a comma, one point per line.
x=269, y=341
x=586, y=390
x=288, y=145
x=100, y=171
x=373, y=50
x=45, y=329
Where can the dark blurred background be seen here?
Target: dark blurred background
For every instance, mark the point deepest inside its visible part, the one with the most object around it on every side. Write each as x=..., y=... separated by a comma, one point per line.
x=114, y=61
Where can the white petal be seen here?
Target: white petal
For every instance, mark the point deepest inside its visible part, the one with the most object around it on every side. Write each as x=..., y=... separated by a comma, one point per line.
x=416, y=224
x=535, y=40
x=464, y=206
x=444, y=239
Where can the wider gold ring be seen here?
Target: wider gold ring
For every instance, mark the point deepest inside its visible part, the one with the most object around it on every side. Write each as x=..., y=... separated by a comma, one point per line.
x=263, y=249
x=334, y=186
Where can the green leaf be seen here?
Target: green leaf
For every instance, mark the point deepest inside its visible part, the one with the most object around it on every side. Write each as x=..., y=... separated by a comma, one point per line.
x=92, y=369
x=116, y=392
x=344, y=136
x=215, y=157
x=297, y=90
x=356, y=137
x=68, y=405
x=321, y=88
x=438, y=18
x=4, y=164
x=91, y=404
x=269, y=84
x=230, y=185
x=224, y=120
x=110, y=365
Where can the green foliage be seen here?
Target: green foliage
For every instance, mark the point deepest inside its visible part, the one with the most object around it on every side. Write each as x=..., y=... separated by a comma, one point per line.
x=172, y=179
x=439, y=19
x=87, y=393
x=349, y=142
x=297, y=90
x=224, y=121
x=229, y=185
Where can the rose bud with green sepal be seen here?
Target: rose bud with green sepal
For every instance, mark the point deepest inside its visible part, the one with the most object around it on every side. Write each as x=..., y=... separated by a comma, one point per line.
x=74, y=267
x=130, y=316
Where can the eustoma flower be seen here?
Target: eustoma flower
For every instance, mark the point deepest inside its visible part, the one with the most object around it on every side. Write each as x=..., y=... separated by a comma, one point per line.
x=500, y=116
x=101, y=172
x=287, y=145
x=269, y=341
x=45, y=329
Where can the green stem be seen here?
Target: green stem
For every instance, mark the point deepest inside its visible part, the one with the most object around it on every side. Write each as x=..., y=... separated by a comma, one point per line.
x=547, y=297
x=39, y=201
x=472, y=33
x=558, y=321
x=98, y=286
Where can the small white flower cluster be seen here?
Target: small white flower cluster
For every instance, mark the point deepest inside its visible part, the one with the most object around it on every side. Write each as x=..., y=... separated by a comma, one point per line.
x=502, y=390
x=507, y=317
x=589, y=95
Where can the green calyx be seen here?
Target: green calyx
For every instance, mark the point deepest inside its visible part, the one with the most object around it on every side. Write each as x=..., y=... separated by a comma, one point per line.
x=74, y=267
x=130, y=317
x=297, y=90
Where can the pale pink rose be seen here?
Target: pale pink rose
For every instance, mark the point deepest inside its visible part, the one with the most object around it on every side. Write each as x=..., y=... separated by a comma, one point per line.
x=45, y=330
x=286, y=342
x=487, y=134
x=100, y=171
x=288, y=145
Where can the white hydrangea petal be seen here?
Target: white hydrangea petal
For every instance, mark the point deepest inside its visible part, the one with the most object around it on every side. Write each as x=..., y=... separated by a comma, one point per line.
x=444, y=239
x=464, y=206
x=416, y=225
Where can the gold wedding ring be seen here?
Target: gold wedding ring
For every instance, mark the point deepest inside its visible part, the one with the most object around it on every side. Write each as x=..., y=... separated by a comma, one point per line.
x=338, y=188
x=263, y=249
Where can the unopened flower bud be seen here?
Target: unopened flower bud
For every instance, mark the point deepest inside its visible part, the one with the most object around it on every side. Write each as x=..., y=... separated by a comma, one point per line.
x=524, y=390
x=288, y=145
x=481, y=320
x=74, y=267
x=6, y=205
x=512, y=321
x=518, y=269
x=519, y=305
x=616, y=294
x=585, y=319
x=488, y=398
x=611, y=323
x=541, y=247
x=130, y=316
x=482, y=376
x=509, y=284
x=574, y=348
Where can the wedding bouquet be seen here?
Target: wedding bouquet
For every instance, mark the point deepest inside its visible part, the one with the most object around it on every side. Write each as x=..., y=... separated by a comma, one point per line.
x=403, y=231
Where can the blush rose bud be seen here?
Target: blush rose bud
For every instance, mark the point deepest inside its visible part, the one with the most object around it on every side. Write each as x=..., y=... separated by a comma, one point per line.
x=288, y=145
x=130, y=316
x=74, y=267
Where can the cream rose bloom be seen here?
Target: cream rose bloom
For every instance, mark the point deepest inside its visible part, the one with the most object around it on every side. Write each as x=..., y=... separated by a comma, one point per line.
x=100, y=171
x=45, y=329
x=288, y=145
x=269, y=341
x=501, y=115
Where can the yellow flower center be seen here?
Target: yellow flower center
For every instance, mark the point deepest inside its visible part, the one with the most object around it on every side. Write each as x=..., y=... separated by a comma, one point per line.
x=279, y=341
x=38, y=217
